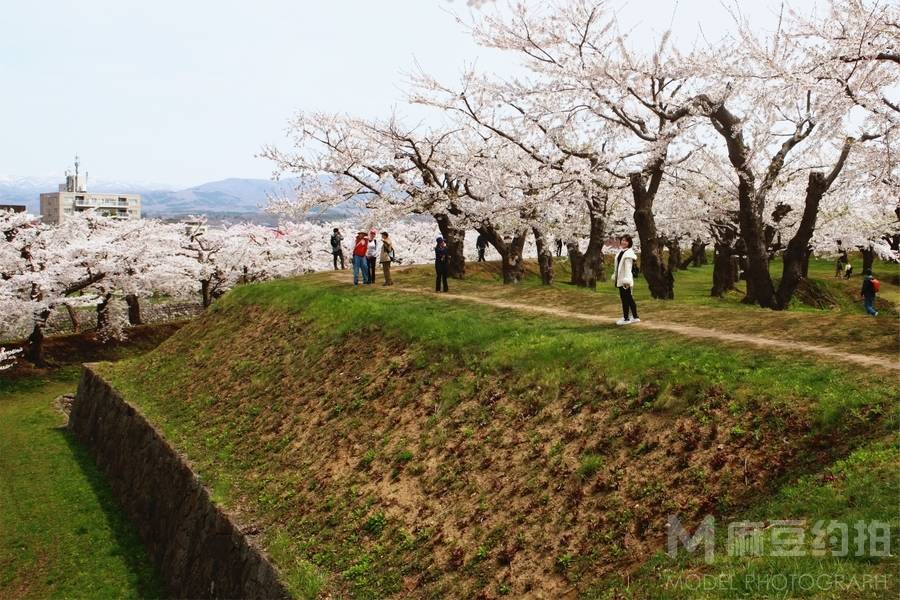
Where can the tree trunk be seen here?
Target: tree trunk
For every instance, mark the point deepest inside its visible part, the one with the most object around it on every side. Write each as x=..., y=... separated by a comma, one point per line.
x=73, y=318
x=751, y=205
x=512, y=264
x=725, y=274
x=576, y=263
x=34, y=345
x=760, y=289
x=868, y=256
x=103, y=312
x=205, y=293
x=674, y=248
x=134, y=309
x=659, y=277
x=796, y=256
x=725, y=261
x=455, y=238
x=697, y=257
x=545, y=256
x=588, y=267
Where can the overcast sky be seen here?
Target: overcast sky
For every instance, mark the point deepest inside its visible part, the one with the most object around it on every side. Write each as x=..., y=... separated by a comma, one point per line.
x=186, y=91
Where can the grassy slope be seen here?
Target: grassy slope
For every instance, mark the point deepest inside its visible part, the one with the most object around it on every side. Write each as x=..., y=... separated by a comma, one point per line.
x=61, y=534
x=864, y=487
x=458, y=451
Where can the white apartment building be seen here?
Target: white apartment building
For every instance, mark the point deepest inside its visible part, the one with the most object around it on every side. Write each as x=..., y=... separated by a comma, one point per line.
x=73, y=197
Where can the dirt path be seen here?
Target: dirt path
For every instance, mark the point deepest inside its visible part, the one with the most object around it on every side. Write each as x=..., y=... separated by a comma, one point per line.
x=827, y=352
x=685, y=330
x=690, y=331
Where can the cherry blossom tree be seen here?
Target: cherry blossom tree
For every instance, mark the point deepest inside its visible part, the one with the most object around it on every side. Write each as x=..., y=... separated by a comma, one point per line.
x=789, y=110
x=568, y=180
x=582, y=60
x=391, y=170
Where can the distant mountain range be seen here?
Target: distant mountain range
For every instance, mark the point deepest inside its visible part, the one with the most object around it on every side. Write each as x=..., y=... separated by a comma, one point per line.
x=234, y=198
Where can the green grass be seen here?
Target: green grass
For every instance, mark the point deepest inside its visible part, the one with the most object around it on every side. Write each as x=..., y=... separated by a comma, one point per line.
x=553, y=352
x=864, y=487
x=843, y=324
x=214, y=392
x=61, y=533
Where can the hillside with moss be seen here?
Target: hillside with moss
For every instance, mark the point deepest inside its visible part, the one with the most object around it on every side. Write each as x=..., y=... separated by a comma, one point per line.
x=387, y=444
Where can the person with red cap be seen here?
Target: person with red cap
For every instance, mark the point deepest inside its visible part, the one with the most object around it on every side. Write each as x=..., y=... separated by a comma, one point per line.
x=360, y=266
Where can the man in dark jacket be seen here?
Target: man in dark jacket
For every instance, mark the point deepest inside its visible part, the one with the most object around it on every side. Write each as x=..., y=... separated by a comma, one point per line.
x=441, y=265
x=337, y=252
x=868, y=292
x=481, y=246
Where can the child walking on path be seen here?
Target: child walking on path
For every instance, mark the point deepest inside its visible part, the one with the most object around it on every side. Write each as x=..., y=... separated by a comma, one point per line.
x=624, y=280
x=870, y=287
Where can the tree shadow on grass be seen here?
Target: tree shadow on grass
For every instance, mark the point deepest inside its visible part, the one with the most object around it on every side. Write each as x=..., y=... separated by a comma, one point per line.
x=146, y=580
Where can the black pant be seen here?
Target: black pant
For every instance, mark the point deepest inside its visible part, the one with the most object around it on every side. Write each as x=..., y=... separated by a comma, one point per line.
x=338, y=255
x=481, y=255
x=627, y=302
x=372, y=262
x=440, y=269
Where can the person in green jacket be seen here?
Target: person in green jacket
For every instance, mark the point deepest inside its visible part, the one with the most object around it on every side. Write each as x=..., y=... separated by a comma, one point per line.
x=386, y=257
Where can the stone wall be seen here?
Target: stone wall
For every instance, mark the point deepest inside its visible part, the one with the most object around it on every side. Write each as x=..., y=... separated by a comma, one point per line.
x=198, y=550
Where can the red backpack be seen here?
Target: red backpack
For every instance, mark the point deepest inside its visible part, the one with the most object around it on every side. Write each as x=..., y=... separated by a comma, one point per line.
x=876, y=285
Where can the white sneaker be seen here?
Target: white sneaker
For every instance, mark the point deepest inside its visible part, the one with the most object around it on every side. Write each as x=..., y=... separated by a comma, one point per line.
x=623, y=322
x=635, y=320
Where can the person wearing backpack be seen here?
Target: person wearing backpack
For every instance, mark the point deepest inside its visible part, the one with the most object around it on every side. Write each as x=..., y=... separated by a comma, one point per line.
x=870, y=287
x=386, y=257
x=623, y=276
x=336, y=251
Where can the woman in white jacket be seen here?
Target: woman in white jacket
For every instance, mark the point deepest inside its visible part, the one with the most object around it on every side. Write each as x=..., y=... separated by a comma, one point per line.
x=625, y=280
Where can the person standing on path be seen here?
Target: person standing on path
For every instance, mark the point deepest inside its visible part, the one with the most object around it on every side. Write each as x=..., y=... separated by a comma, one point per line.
x=372, y=255
x=441, y=265
x=387, y=256
x=360, y=265
x=848, y=269
x=869, y=289
x=624, y=279
x=337, y=252
x=842, y=260
x=481, y=246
